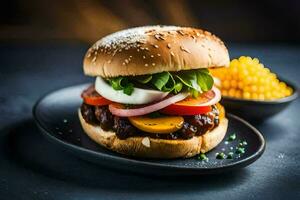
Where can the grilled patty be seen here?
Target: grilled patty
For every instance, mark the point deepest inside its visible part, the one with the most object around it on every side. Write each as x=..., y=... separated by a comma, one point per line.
x=195, y=125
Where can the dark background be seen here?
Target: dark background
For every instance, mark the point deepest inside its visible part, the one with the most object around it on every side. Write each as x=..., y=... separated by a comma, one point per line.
x=42, y=44
x=265, y=21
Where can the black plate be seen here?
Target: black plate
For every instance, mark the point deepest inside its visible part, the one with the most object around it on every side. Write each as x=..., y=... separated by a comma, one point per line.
x=56, y=116
x=255, y=110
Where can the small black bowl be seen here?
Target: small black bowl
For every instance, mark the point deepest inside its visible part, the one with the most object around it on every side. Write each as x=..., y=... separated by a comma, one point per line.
x=259, y=110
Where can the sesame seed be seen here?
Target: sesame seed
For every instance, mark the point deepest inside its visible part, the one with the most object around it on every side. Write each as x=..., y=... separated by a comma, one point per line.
x=172, y=53
x=198, y=34
x=180, y=32
x=120, y=50
x=126, y=61
x=153, y=64
x=152, y=56
x=142, y=48
x=184, y=49
x=169, y=46
x=89, y=55
x=137, y=50
x=101, y=50
x=159, y=37
x=155, y=46
x=94, y=59
x=144, y=57
x=147, y=48
x=109, y=61
x=158, y=55
x=130, y=56
x=146, y=65
x=123, y=63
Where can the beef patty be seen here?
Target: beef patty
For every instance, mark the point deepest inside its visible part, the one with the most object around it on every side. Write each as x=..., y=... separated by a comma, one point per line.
x=195, y=125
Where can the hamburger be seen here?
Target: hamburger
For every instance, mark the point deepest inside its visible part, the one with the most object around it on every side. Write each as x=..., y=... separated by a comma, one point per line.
x=154, y=96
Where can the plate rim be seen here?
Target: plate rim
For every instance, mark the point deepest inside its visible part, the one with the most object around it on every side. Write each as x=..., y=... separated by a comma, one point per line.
x=117, y=158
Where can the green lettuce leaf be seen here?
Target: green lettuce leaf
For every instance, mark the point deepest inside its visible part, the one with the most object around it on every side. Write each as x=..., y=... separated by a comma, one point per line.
x=204, y=80
x=128, y=89
x=189, y=79
x=116, y=83
x=160, y=80
x=122, y=83
x=143, y=79
x=193, y=81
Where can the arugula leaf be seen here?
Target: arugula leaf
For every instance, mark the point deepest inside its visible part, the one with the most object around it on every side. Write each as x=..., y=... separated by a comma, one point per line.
x=160, y=80
x=169, y=86
x=189, y=78
x=205, y=80
x=177, y=87
x=116, y=83
x=128, y=89
x=144, y=78
x=122, y=83
x=193, y=81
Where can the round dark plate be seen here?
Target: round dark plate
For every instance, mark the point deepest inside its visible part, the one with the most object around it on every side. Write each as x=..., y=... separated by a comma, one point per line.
x=256, y=110
x=56, y=116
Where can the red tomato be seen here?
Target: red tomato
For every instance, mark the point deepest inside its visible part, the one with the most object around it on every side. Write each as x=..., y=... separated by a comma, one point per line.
x=190, y=105
x=91, y=97
x=185, y=110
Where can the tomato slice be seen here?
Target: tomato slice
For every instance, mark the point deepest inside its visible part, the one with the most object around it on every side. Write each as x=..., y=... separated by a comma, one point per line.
x=185, y=110
x=190, y=105
x=91, y=97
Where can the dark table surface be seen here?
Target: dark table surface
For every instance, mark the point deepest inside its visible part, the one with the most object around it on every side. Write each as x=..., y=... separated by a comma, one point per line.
x=33, y=168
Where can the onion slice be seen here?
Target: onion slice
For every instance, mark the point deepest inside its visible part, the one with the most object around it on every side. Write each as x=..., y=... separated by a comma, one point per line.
x=147, y=109
x=215, y=99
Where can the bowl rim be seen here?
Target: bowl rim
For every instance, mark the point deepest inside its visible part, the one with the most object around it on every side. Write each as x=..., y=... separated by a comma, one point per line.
x=290, y=98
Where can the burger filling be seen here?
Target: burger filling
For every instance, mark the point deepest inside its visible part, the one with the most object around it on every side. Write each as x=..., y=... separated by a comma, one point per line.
x=164, y=105
x=194, y=125
x=167, y=105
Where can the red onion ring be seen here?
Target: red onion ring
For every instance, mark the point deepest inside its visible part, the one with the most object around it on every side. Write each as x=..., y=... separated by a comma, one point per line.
x=214, y=100
x=147, y=109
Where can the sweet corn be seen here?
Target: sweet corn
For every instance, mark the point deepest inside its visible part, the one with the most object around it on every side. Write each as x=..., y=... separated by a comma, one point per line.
x=247, y=78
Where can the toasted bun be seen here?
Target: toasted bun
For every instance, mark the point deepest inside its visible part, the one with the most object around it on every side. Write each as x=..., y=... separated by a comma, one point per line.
x=154, y=49
x=156, y=148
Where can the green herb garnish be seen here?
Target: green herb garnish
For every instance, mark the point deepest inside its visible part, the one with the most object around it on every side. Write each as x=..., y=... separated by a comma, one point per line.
x=230, y=155
x=221, y=156
x=231, y=137
x=203, y=157
x=240, y=150
x=243, y=143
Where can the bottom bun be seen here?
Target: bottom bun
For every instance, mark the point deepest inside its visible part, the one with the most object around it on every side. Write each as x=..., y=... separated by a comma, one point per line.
x=146, y=147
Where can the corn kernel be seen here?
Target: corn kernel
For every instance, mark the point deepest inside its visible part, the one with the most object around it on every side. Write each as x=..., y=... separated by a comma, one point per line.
x=254, y=96
x=224, y=92
x=231, y=92
x=246, y=95
x=233, y=83
x=226, y=84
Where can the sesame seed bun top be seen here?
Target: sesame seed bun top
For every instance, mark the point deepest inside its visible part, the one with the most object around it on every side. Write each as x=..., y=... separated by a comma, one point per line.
x=154, y=49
